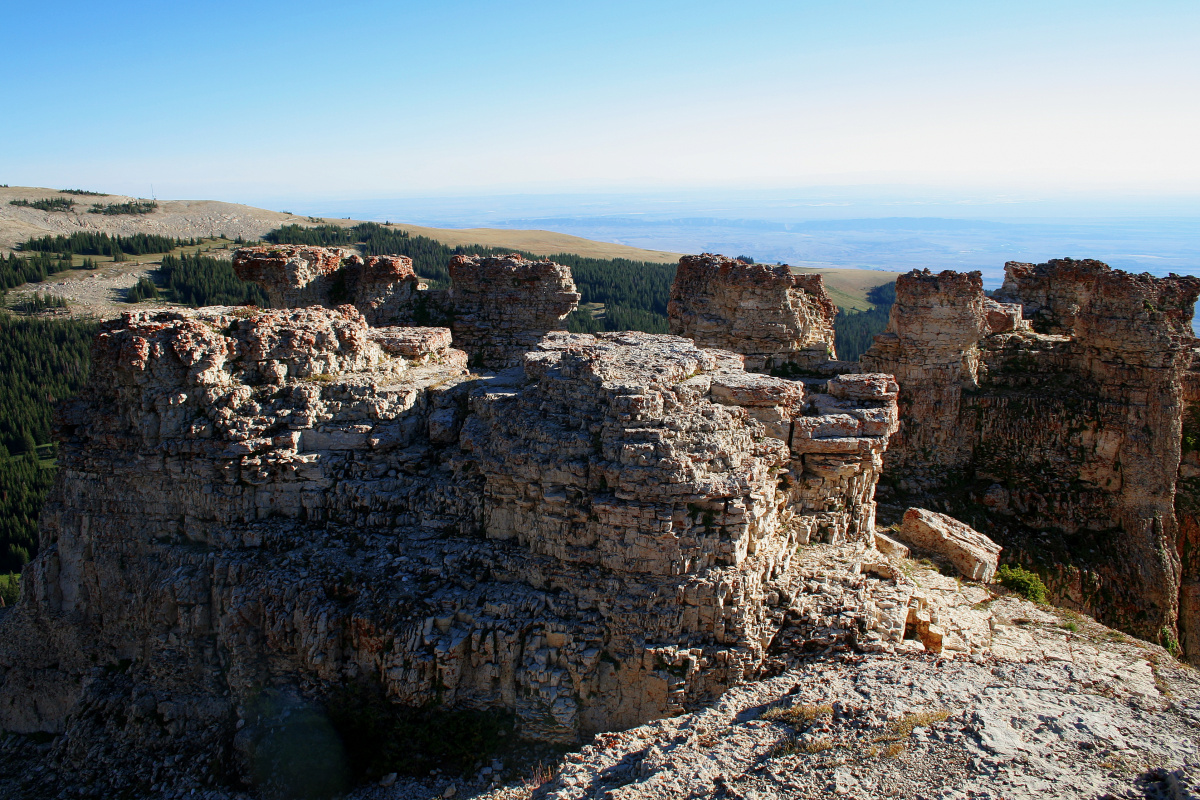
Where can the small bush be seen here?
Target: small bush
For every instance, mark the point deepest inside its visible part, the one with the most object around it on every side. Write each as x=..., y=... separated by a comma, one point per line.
x=797, y=715
x=1166, y=637
x=920, y=719
x=792, y=745
x=1022, y=582
x=10, y=588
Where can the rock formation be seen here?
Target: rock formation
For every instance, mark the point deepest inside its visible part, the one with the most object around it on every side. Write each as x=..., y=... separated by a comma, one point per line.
x=255, y=508
x=498, y=308
x=781, y=322
x=1061, y=441
x=383, y=288
x=289, y=500
x=503, y=306
x=974, y=555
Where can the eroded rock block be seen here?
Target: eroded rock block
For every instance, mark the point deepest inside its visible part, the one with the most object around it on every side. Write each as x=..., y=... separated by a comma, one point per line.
x=778, y=320
x=889, y=546
x=503, y=306
x=1064, y=421
x=603, y=537
x=385, y=289
x=973, y=554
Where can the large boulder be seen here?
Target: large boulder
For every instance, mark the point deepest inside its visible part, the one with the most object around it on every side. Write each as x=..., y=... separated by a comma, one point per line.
x=973, y=554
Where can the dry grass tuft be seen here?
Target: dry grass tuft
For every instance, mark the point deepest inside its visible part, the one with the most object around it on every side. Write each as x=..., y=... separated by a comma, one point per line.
x=903, y=727
x=797, y=715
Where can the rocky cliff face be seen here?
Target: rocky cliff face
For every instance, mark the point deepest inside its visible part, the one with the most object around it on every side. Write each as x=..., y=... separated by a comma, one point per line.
x=503, y=306
x=1062, y=441
x=779, y=321
x=268, y=504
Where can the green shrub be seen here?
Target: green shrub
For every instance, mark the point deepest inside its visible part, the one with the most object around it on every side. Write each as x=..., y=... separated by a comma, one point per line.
x=1023, y=582
x=1166, y=637
x=10, y=588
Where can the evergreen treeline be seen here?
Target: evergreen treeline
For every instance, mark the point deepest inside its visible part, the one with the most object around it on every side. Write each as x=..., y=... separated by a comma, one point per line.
x=101, y=244
x=429, y=256
x=46, y=204
x=144, y=289
x=16, y=270
x=131, y=207
x=854, y=331
x=42, y=361
x=619, y=283
x=196, y=280
x=38, y=302
x=83, y=192
x=319, y=235
x=634, y=293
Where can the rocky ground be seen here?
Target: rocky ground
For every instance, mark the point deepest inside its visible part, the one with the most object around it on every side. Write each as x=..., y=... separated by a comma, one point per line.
x=1059, y=706
x=89, y=293
x=1055, y=705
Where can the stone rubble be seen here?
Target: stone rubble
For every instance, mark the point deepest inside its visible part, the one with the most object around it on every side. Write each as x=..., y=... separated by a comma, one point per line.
x=1051, y=704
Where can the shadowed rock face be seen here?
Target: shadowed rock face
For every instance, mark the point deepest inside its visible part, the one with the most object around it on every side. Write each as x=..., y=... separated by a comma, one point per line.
x=503, y=306
x=777, y=320
x=1064, y=444
x=293, y=499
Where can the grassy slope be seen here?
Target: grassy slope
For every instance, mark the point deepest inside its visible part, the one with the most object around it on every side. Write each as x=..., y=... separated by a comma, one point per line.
x=848, y=287
x=208, y=218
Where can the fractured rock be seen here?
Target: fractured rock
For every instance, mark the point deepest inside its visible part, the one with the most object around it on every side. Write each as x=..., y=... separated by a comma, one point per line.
x=384, y=288
x=503, y=306
x=294, y=499
x=1069, y=432
x=889, y=546
x=778, y=320
x=974, y=555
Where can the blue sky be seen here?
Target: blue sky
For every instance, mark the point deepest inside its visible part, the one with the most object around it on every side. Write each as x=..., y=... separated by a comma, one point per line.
x=248, y=101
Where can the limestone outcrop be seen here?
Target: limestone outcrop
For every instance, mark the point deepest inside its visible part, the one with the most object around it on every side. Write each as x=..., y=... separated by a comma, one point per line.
x=974, y=555
x=384, y=288
x=503, y=306
x=780, y=321
x=270, y=504
x=1062, y=442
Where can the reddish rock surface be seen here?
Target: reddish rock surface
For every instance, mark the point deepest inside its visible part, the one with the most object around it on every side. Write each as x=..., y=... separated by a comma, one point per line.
x=778, y=320
x=291, y=275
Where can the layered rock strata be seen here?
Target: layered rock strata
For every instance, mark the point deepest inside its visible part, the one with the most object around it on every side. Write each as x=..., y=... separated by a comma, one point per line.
x=974, y=555
x=780, y=321
x=503, y=306
x=384, y=288
x=1064, y=444
x=498, y=308
x=268, y=504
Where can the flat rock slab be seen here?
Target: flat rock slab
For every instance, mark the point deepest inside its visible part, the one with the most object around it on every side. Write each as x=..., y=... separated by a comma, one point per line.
x=973, y=554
